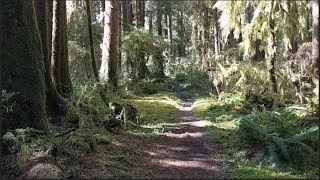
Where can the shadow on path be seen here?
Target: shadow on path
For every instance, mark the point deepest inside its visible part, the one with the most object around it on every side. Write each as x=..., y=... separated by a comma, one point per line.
x=185, y=152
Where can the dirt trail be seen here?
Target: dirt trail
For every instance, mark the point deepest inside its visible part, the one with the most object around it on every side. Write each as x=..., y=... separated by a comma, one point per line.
x=186, y=152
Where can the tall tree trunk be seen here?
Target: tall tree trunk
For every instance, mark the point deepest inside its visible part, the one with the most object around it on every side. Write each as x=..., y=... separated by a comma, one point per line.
x=170, y=44
x=93, y=61
x=150, y=20
x=315, y=33
x=24, y=68
x=293, y=43
x=140, y=13
x=216, y=30
x=60, y=64
x=127, y=22
x=114, y=40
x=165, y=28
x=181, y=34
x=119, y=39
x=54, y=102
x=158, y=57
x=109, y=65
x=205, y=38
x=125, y=13
x=271, y=52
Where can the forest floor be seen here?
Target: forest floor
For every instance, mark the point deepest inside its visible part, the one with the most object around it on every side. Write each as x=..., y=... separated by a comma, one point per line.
x=181, y=150
x=173, y=139
x=184, y=152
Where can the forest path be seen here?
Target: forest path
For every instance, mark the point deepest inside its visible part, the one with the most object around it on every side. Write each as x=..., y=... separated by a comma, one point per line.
x=184, y=152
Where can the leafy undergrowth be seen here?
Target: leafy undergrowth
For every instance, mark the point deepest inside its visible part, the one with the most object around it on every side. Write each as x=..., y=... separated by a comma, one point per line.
x=282, y=142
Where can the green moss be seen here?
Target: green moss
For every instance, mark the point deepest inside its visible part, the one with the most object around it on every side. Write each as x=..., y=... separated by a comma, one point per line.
x=102, y=139
x=11, y=143
x=156, y=110
x=251, y=172
x=24, y=68
x=81, y=143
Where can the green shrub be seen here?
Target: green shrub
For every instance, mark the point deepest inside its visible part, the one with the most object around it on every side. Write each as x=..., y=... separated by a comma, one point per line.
x=277, y=150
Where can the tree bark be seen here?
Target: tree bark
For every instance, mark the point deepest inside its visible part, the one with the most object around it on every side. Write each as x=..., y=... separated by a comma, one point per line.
x=315, y=33
x=150, y=21
x=271, y=52
x=127, y=22
x=114, y=40
x=293, y=43
x=24, y=67
x=158, y=57
x=181, y=34
x=93, y=61
x=54, y=102
x=109, y=65
x=60, y=64
x=140, y=13
x=216, y=30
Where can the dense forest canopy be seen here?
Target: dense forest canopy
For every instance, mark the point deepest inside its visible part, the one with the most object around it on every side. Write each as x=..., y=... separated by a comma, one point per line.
x=99, y=88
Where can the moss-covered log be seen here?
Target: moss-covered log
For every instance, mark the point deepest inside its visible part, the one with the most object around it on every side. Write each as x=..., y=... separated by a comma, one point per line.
x=23, y=70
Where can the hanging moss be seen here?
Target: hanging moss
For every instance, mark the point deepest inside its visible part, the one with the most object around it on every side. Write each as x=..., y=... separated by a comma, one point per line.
x=23, y=70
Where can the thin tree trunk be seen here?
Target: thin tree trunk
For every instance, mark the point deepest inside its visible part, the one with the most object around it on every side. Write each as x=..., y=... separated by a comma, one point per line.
x=181, y=34
x=93, y=61
x=216, y=30
x=271, y=52
x=158, y=58
x=315, y=33
x=170, y=44
x=119, y=39
x=150, y=20
x=205, y=38
x=127, y=22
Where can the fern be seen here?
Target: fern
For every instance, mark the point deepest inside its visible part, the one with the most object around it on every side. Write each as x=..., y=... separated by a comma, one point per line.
x=296, y=150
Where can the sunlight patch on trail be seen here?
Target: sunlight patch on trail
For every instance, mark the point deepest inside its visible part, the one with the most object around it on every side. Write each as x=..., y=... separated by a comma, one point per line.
x=169, y=162
x=185, y=135
x=168, y=101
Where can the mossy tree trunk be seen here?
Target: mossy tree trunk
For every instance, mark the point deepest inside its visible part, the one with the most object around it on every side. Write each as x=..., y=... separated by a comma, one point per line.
x=127, y=22
x=60, y=64
x=24, y=67
x=272, y=51
x=54, y=102
x=181, y=34
x=93, y=61
x=216, y=30
x=139, y=16
x=158, y=57
x=289, y=10
x=315, y=33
